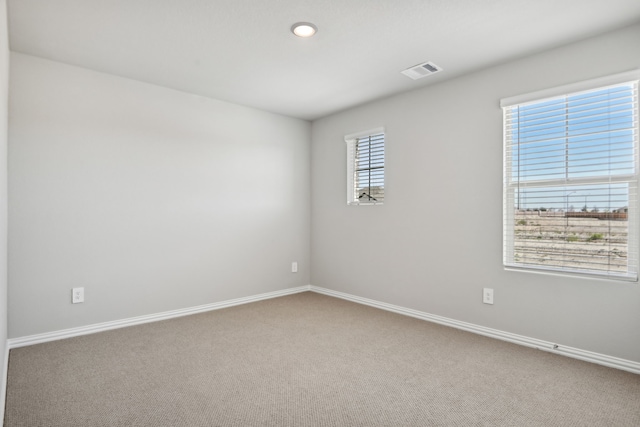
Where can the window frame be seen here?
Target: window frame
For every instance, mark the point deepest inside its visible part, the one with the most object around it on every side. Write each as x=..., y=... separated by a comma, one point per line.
x=510, y=185
x=351, y=141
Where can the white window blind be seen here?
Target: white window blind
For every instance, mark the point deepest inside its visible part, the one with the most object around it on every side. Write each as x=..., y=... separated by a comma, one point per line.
x=570, y=182
x=365, y=167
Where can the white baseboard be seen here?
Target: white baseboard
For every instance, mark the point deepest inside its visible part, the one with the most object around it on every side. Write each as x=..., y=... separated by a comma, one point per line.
x=589, y=356
x=576, y=353
x=100, y=327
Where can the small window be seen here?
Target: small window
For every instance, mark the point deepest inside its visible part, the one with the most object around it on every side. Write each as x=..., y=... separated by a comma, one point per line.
x=571, y=179
x=365, y=167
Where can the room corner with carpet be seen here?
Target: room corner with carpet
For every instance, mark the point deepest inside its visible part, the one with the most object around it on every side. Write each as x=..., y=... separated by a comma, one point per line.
x=191, y=235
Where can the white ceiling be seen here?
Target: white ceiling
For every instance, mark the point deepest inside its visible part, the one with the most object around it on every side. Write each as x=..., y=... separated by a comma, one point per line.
x=242, y=51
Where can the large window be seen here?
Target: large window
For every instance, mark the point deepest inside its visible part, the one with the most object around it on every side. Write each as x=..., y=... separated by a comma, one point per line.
x=365, y=167
x=571, y=179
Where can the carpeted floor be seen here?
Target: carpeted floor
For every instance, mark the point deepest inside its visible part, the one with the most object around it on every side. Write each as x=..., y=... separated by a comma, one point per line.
x=308, y=360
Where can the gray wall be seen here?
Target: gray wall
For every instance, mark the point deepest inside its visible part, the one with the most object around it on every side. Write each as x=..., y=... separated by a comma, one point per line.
x=437, y=240
x=4, y=82
x=151, y=199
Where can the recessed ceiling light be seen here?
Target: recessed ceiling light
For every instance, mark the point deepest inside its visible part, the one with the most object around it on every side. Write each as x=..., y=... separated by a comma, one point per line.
x=303, y=29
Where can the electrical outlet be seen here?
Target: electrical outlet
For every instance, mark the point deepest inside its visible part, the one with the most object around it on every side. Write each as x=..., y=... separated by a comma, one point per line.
x=294, y=267
x=487, y=296
x=77, y=295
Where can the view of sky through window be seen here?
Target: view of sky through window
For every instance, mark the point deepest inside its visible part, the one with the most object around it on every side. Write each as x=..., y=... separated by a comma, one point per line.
x=571, y=182
x=568, y=138
x=369, y=168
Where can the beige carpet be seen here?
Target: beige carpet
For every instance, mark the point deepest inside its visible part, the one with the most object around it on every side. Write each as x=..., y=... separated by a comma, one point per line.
x=308, y=360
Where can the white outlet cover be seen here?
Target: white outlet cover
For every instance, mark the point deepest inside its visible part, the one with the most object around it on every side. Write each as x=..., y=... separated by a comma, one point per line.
x=487, y=295
x=77, y=295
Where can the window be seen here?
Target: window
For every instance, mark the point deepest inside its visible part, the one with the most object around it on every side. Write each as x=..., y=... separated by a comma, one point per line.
x=365, y=167
x=571, y=179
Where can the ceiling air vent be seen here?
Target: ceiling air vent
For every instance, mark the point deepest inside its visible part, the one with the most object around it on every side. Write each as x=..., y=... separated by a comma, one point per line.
x=421, y=70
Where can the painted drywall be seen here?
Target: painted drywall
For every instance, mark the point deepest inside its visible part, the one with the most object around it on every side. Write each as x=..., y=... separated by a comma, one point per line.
x=149, y=198
x=4, y=99
x=437, y=240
